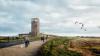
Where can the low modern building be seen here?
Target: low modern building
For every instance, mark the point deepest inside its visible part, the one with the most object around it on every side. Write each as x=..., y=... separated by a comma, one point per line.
x=35, y=28
x=24, y=35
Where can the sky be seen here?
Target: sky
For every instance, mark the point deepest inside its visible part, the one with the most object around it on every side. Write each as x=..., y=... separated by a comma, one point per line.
x=56, y=16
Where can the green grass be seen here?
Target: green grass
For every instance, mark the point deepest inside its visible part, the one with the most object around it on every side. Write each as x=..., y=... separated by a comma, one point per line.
x=57, y=47
x=16, y=39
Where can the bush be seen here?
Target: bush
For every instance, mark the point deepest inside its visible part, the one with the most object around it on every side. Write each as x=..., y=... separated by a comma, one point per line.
x=57, y=47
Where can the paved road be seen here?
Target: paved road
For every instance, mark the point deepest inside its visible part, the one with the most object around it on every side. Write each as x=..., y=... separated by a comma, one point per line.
x=7, y=44
x=20, y=50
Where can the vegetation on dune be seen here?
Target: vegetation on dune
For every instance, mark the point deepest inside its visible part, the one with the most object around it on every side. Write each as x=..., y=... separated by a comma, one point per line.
x=90, y=44
x=16, y=39
x=95, y=51
x=57, y=47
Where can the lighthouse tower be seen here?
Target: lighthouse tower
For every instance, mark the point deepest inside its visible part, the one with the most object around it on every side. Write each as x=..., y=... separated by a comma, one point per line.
x=35, y=27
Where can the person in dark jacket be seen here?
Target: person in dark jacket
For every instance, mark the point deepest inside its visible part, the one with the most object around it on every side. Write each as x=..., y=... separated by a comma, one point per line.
x=42, y=38
x=26, y=41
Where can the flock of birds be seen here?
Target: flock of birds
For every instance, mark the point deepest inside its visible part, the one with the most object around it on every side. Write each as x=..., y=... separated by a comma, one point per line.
x=82, y=25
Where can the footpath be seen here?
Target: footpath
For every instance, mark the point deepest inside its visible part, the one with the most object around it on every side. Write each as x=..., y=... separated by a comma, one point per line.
x=20, y=50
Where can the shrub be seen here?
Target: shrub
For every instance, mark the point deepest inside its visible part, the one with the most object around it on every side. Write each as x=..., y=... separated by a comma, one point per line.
x=57, y=47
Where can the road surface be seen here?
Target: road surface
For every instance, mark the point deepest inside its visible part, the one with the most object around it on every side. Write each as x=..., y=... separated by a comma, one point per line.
x=20, y=50
x=7, y=44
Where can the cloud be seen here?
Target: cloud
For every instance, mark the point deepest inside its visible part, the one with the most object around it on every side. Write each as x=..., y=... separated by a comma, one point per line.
x=78, y=7
x=56, y=17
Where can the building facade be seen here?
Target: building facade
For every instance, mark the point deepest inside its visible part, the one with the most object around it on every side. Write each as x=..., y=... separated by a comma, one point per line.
x=35, y=27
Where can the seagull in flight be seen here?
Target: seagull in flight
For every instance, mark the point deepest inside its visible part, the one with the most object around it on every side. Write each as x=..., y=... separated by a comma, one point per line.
x=76, y=22
x=85, y=30
x=82, y=25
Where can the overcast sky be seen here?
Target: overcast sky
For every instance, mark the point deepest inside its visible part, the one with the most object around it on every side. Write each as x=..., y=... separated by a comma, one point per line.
x=56, y=16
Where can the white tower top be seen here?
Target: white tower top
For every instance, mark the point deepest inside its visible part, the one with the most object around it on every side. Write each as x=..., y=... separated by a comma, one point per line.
x=35, y=19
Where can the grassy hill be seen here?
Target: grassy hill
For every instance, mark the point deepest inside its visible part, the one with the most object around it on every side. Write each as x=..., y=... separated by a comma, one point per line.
x=57, y=47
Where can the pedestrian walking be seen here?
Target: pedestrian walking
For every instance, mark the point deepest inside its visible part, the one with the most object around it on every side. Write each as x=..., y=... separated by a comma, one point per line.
x=26, y=41
x=42, y=38
x=46, y=37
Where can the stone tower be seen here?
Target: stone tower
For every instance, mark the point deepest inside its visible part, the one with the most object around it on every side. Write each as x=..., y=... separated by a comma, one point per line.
x=35, y=27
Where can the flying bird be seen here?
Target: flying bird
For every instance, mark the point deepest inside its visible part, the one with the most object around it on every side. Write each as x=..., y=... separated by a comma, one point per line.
x=76, y=22
x=85, y=30
x=82, y=25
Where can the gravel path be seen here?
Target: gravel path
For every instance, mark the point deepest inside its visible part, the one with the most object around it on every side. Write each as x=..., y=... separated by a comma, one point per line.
x=20, y=50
